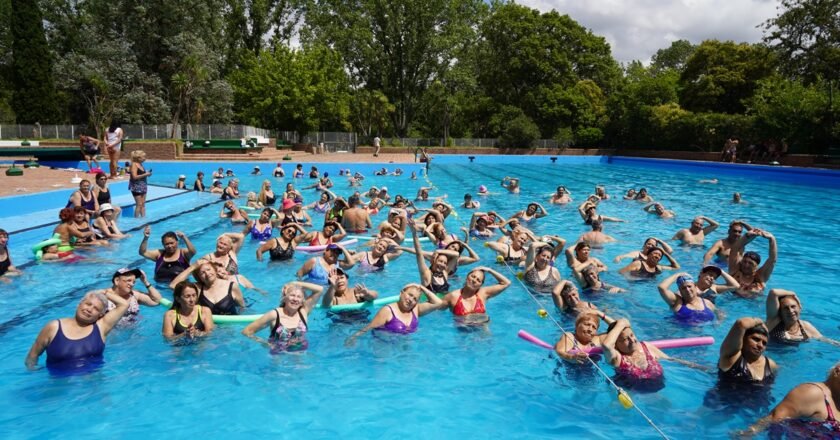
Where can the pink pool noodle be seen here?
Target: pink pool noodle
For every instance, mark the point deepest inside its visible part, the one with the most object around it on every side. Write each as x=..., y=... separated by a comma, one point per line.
x=661, y=343
x=320, y=248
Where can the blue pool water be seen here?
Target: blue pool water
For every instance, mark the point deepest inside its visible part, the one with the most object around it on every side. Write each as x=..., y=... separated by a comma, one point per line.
x=439, y=382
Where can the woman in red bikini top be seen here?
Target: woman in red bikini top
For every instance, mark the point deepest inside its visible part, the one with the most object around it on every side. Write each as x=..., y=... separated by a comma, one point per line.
x=814, y=404
x=470, y=299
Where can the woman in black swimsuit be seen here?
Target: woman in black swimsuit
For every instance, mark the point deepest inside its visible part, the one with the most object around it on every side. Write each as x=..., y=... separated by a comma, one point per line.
x=742, y=358
x=171, y=260
x=282, y=248
x=103, y=193
x=187, y=319
x=222, y=297
x=434, y=277
x=784, y=311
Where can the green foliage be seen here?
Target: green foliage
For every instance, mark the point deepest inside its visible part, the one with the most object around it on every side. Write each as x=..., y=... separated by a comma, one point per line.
x=396, y=47
x=674, y=57
x=303, y=90
x=371, y=112
x=785, y=109
x=806, y=35
x=720, y=76
x=515, y=129
x=545, y=64
x=33, y=92
x=105, y=90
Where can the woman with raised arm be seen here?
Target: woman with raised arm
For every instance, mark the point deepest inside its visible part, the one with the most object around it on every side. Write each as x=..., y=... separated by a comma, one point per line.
x=227, y=246
x=317, y=269
x=744, y=268
x=512, y=253
x=650, y=243
x=236, y=214
x=186, y=319
x=578, y=259
x=288, y=322
x=532, y=212
x=636, y=363
x=567, y=299
x=469, y=302
x=171, y=260
x=262, y=228
x=221, y=296
x=742, y=359
x=784, y=310
x=77, y=343
x=540, y=274
x=435, y=275
x=282, y=248
x=403, y=316
x=650, y=267
x=573, y=346
x=688, y=306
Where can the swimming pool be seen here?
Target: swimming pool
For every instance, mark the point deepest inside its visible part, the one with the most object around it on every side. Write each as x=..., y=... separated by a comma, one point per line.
x=439, y=382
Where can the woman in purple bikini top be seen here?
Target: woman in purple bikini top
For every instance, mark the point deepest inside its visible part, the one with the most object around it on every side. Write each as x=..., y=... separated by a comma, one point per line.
x=402, y=317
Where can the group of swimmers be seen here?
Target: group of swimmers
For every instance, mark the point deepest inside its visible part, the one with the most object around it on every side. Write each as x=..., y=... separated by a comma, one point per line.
x=323, y=281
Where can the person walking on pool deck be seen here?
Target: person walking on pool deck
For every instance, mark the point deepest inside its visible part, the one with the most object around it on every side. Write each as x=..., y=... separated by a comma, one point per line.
x=696, y=233
x=376, y=146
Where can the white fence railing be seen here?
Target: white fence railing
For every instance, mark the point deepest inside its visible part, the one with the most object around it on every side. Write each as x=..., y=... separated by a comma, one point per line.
x=135, y=131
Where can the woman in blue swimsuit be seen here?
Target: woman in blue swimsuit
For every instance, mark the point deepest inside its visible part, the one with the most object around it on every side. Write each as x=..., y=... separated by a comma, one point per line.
x=77, y=342
x=688, y=306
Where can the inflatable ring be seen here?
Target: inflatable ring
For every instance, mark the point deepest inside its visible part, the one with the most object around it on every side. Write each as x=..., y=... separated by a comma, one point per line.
x=38, y=249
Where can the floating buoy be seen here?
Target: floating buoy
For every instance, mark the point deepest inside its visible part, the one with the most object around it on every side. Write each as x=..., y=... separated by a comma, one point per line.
x=542, y=313
x=625, y=399
x=500, y=259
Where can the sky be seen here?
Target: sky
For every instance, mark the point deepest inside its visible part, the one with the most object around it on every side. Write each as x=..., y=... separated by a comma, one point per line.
x=636, y=29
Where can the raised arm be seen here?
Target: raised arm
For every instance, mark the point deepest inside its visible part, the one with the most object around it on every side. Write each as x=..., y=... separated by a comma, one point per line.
x=730, y=349
x=237, y=239
x=152, y=297
x=731, y=283
x=712, y=226
x=183, y=276
x=608, y=342
x=674, y=265
x=433, y=303
x=143, y=251
x=503, y=282
x=425, y=273
x=380, y=319
x=707, y=257
x=767, y=269
x=772, y=305
x=190, y=248
x=107, y=322
x=671, y=298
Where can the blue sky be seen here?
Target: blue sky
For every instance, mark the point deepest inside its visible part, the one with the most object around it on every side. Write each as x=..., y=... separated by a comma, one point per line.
x=636, y=29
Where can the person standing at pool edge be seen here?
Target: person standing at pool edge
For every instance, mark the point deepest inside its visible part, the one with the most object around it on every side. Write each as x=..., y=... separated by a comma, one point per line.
x=113, y=145
x=376, y=146
x=137, y=182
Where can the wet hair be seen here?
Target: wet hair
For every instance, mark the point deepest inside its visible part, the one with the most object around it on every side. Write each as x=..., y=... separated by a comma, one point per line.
x=581, y=245
x=178, y=293
x=100, y=175
x=753, y=256
x=99, y=297
x=168, y=234
x=353, y=201
x=546, y=248
x=3, y=232
x=760, y=329
x=588, y=317
x=66, y=214
x=567, y=288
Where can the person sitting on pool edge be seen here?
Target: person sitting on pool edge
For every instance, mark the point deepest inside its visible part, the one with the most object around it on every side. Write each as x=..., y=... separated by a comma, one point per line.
x=77, y=343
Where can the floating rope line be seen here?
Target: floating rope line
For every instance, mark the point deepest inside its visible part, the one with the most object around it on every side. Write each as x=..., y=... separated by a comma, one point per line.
x=618, y=389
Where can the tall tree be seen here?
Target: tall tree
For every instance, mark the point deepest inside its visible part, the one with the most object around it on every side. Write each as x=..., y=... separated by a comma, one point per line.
x=398, y=47
x=672, y=57
x=33, y=91
x=721, y=75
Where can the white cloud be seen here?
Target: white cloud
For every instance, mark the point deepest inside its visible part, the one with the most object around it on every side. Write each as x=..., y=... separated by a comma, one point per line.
x=636, y=29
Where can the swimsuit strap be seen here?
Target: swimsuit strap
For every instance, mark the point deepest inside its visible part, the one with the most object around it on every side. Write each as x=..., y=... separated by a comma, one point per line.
x=302, y=318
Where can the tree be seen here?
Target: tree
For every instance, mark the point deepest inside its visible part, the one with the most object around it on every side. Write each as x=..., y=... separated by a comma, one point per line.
x=531, y=60
x=371, y=112
x=397, y=47
x=303, y=89
x=721, y=75
x=33, y=91
x=791, y=110
x=106, y=90
x=673, y=57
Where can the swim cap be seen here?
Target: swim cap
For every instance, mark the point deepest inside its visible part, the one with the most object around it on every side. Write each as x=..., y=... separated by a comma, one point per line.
x=753, y=256
x=682, y=279
x=482, y=188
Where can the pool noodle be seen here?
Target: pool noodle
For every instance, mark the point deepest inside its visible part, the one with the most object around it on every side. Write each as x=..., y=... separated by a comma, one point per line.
x=368, y=238
x=324, y=246
x=660, y=343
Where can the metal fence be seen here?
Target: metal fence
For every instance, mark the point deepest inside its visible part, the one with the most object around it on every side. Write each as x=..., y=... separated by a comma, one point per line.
x=345, y=141
x=134, y=131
